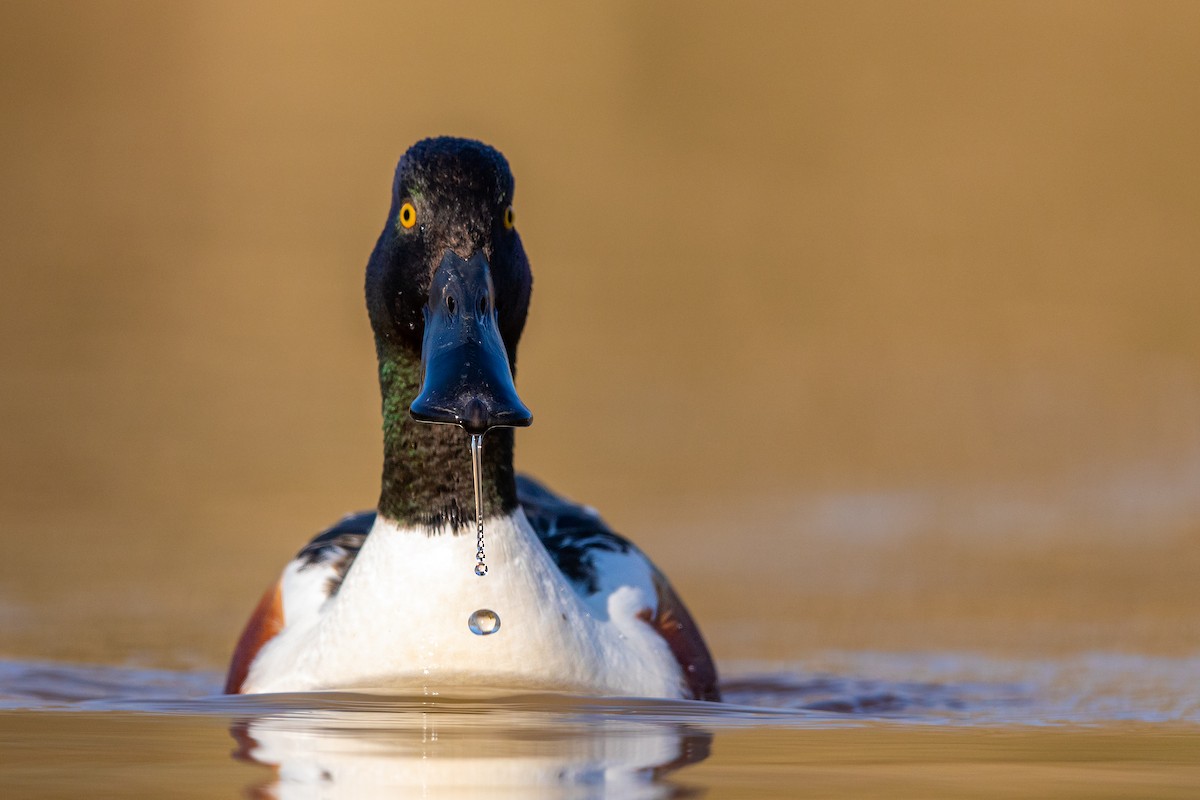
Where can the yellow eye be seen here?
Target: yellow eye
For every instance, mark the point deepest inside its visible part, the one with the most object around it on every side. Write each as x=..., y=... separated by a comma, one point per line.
x=408, y=215
x=510, y=219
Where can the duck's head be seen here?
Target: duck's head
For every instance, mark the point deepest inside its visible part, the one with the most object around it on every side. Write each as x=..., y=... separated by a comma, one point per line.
x=449, y=283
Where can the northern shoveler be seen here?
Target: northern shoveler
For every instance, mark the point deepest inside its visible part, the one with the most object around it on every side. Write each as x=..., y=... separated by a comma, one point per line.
x=382, y=598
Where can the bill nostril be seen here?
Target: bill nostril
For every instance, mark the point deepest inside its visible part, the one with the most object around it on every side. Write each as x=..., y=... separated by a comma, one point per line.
x=451, y=306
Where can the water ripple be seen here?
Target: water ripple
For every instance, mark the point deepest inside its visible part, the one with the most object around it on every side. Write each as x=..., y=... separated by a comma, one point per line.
x=922, y=688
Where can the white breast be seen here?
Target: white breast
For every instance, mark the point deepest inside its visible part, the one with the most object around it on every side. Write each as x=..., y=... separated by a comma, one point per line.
x=400, y=620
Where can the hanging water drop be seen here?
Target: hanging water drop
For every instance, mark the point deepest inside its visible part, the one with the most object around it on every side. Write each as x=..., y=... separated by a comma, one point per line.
x=477, y=473
x=484, y=622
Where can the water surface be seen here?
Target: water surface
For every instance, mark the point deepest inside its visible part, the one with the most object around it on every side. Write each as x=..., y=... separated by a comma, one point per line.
x=1074, y=727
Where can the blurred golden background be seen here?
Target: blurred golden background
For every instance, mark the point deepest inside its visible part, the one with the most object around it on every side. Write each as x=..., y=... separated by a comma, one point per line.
x=874, y=323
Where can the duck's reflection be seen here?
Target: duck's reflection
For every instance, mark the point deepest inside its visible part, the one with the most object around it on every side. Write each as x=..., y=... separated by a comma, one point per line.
x=460, y=751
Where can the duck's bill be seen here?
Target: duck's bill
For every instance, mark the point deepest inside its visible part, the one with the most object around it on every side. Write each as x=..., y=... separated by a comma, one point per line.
x=468, y=380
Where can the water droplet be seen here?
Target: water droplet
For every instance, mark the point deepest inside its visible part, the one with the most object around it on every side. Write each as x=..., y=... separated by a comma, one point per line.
x=484, y=622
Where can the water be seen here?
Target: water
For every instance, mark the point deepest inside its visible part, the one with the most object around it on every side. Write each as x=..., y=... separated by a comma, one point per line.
x=484, y=622
x=985, y=729
x=477, y=478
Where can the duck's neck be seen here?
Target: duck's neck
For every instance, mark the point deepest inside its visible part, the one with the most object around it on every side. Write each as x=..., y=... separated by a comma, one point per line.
x=427, y=478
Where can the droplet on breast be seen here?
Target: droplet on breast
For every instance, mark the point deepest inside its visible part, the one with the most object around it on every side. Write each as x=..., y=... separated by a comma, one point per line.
x=484, y=622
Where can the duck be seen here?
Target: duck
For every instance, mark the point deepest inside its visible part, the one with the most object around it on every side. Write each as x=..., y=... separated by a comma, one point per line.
x=532, y=592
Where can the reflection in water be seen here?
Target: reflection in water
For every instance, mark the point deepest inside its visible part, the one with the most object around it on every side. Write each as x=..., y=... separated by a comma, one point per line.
x=452, y=751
